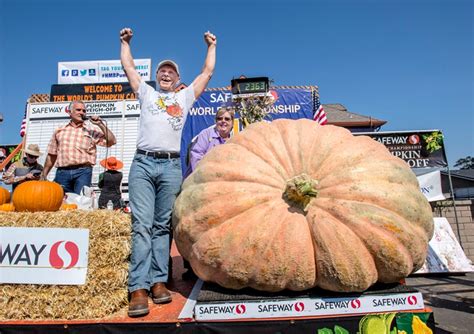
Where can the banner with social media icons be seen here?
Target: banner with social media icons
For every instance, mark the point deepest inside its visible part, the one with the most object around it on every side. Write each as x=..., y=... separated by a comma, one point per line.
x=43, y=255
x=99, y=71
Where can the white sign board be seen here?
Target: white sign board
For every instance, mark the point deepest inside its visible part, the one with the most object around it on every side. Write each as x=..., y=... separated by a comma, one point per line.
x=99, y=71
x=444, y=253
x=121, y=117
x=43, y=255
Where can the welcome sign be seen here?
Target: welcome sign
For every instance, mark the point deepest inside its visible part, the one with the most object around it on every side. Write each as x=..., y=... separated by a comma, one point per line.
x=93, y=92
x=43, y=255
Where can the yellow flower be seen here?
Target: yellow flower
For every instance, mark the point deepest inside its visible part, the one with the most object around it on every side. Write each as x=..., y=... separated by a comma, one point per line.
x=419, y=327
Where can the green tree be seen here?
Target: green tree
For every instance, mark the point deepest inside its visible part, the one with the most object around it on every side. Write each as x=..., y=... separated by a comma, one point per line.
x=465, y=163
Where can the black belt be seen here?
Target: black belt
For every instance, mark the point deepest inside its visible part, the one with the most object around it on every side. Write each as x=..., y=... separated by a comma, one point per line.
x=75, y=166
x=158, y=154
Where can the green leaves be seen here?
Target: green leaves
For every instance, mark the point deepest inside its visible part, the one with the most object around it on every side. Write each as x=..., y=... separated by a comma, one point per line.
x=434, y=141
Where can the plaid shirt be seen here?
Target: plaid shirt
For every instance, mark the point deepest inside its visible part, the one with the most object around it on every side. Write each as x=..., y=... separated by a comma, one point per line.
x=76, y=145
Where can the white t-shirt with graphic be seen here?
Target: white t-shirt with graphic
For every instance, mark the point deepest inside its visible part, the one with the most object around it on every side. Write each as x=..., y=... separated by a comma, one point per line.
x=162, y=117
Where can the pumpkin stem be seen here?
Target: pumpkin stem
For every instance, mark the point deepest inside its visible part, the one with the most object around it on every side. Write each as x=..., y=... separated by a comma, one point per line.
x=300, y=190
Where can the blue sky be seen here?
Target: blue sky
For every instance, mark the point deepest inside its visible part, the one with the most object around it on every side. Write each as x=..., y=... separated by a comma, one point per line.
x=407, y=62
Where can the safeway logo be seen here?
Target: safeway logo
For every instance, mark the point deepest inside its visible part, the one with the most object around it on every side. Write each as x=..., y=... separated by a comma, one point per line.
x=35, y=255
x=299, y=307
x=57, y=260
x=414, y=139
x=240, y=309
x=355, y=303
x=412, y=300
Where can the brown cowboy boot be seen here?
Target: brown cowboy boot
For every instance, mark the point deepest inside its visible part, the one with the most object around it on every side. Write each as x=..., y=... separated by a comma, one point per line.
x=138, y=305
x=160, y=294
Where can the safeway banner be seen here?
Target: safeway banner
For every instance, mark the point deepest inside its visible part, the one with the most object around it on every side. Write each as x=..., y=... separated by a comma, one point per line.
x=99, y=71
x=100, y=108
x=43, y=255
x=304, y=307
x=419, y=149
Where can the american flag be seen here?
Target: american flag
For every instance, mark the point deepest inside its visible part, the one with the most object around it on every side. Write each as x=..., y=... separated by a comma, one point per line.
x=23, y=123
x=319, y=114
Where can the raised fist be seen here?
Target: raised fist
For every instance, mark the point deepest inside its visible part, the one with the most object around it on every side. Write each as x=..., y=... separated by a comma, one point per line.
x=210, y=38
x=126, y=34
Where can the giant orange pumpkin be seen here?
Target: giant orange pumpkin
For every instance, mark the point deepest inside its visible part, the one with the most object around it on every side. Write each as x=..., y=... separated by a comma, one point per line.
x=35, y=196
x=4, y=195
x=294, y=205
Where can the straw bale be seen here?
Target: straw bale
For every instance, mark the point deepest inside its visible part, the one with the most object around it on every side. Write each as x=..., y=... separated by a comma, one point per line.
x=105, y=291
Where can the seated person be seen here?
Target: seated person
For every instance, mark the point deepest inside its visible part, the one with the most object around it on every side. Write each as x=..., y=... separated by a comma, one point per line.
x=210, y=137
x=25, y=169
x=110, y=182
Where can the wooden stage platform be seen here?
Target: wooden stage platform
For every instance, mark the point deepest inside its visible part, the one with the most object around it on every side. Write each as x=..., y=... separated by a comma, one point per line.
x=177, y=317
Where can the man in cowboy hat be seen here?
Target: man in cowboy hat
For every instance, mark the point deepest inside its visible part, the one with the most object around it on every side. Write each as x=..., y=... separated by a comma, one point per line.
x=25, y=169
x=155, y=174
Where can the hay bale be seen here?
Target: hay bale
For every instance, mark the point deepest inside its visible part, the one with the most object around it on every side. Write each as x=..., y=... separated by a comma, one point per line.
x=105, y=291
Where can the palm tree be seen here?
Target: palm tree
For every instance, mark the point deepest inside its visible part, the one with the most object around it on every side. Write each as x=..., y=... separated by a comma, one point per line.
x=465, y=163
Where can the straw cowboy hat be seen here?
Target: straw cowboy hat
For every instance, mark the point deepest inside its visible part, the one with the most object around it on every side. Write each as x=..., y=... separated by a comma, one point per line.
x=33, y=149
x=111, y=163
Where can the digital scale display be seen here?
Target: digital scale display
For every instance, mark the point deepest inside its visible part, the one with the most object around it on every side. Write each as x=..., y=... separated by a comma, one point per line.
x=250, y=85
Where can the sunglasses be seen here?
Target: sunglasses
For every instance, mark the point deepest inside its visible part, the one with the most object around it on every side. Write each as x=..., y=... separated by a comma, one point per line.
x=220, y=118
x=31, y=156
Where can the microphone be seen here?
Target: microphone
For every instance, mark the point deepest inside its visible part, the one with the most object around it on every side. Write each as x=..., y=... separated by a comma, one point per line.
x=84, y=117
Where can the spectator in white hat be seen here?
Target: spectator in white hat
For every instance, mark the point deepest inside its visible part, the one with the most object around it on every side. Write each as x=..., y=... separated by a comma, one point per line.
x=26, y=169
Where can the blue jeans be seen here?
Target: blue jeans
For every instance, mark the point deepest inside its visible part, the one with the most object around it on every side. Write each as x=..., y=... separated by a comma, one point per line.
x=73, y=180
x=153, y=186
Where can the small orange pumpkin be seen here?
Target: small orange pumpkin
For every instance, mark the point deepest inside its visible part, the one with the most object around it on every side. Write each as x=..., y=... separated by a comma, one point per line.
x=67, y=207
x=4, y=195
x=35, y=196
x=7, y=207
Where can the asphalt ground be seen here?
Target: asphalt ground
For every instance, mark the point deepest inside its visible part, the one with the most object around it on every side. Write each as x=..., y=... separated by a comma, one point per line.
x=452, y=299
